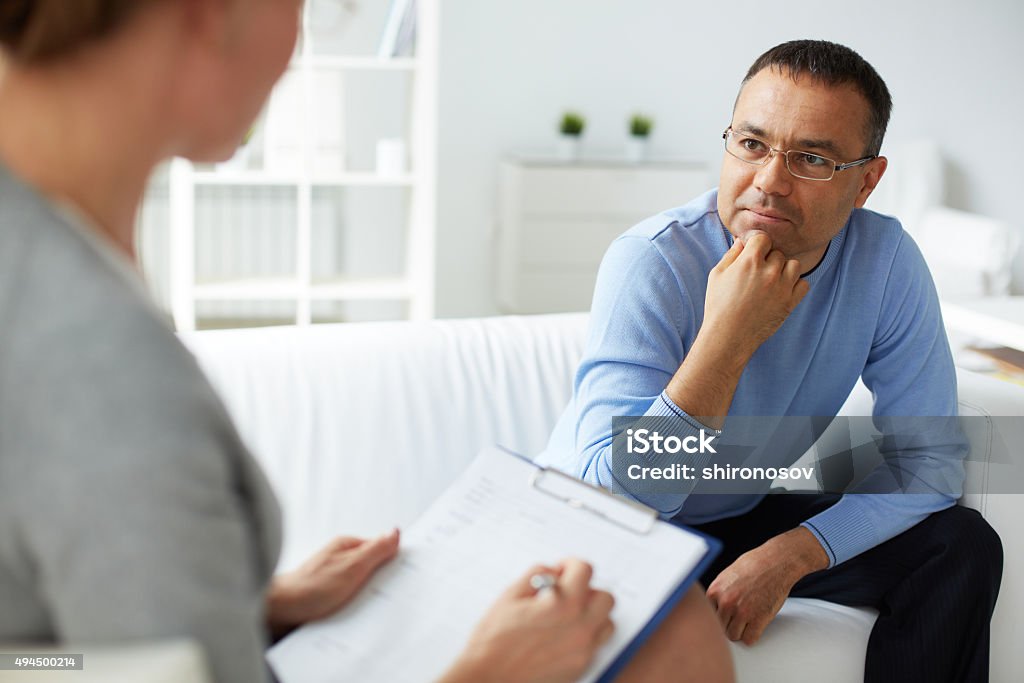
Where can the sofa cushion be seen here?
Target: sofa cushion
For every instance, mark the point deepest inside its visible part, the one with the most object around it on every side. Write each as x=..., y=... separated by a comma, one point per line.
x=360, y=426
x=807, y=638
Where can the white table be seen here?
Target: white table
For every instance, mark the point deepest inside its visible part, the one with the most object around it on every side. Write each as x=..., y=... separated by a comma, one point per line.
x=995, y=319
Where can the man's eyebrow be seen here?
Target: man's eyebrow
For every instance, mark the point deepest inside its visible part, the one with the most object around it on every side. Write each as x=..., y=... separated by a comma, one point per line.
x=826, y=145
x=808, y=144
x=745, y=127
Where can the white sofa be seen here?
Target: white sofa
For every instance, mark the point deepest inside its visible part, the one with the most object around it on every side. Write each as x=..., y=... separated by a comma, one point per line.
x=360, y=426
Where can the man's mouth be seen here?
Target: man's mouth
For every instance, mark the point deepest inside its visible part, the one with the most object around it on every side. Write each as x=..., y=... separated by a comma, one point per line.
x=768, y=215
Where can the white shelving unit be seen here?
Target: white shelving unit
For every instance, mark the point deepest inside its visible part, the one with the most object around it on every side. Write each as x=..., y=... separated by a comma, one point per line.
x=304, y=188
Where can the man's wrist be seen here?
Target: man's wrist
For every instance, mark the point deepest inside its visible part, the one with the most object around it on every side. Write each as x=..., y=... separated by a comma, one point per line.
x=802, y=552
x=723, y=349
x=704, y=384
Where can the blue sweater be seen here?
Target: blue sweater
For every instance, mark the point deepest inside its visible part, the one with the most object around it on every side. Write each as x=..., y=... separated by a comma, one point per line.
x=871, y=313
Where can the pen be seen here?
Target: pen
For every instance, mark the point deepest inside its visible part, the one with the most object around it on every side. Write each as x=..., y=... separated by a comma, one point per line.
x=543, y=581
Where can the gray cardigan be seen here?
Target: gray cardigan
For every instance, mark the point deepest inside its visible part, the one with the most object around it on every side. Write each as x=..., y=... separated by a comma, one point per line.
x=129, y=507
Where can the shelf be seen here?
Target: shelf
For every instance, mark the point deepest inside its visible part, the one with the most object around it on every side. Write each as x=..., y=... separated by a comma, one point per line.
x=263, y=179
x=361, y=289
x=357, y=63
x=254, y=289
x=287, y=289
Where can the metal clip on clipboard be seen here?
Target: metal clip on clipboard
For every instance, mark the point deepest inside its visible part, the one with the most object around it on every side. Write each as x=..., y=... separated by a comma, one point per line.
x=627, y=514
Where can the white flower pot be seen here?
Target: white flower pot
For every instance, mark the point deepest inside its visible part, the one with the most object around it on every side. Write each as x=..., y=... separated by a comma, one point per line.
x=568, y=148
x=636, y=149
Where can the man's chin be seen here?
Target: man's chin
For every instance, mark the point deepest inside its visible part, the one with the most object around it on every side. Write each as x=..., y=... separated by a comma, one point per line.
x=747, y=224
x=745, y=235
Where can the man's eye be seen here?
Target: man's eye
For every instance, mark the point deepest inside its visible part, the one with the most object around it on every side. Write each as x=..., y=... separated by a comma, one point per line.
x=752, y=145
x=812, y=159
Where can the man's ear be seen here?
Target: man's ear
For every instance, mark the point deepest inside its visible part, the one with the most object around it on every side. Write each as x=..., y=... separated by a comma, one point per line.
x=875, y=171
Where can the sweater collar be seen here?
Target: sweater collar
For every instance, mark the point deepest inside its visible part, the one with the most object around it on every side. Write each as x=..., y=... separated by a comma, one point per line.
x=828, y=261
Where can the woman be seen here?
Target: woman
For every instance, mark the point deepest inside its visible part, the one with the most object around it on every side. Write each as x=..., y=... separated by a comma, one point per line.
x=129, y=508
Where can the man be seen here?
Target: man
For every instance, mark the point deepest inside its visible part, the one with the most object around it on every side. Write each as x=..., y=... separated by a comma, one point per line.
x=772, y=295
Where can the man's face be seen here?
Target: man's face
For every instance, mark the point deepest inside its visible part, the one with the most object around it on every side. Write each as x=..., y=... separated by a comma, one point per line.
x=800, y=216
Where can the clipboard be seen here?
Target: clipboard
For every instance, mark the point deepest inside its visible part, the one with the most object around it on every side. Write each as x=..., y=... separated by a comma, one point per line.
x=502, y=515
x=630, y=515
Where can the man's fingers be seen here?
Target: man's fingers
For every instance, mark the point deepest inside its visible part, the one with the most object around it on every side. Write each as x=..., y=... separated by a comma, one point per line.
x=800, y=290
x=712, y=593
x=792, y=269
x=734, y=630
x=753, y=633
x=730, y=256
x=757, y=245
x=775, y=261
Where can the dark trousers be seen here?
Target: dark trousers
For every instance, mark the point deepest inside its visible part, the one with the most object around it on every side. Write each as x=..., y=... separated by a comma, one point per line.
x=934, y=586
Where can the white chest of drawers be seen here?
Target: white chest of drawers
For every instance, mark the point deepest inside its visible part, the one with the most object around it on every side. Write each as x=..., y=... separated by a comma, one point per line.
x=556, y=220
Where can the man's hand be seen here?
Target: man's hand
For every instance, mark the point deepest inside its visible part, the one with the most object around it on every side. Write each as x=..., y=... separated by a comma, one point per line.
x=751, y=292
x=550, y=637
x=750, y=592
x=325, y=582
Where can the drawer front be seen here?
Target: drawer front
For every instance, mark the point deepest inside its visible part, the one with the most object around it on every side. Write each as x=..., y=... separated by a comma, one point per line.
x=569, y=242
x=557, y=222
x=562, y=290
x=600, y=191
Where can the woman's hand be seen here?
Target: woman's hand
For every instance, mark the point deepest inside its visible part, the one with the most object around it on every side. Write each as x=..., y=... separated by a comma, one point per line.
x=549, y=637
x=326, y=581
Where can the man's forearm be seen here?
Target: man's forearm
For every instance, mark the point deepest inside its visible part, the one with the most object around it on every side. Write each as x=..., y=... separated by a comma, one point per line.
x=705, y=382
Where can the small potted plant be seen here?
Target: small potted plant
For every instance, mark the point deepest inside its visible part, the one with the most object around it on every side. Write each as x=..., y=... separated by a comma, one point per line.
x=571, y=129
x=639, y=131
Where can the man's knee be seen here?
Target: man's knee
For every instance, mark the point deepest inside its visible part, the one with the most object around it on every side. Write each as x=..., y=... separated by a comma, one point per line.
x=973, y=541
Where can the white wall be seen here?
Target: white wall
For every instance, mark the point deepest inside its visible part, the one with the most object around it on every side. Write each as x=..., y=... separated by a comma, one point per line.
x=510, y=67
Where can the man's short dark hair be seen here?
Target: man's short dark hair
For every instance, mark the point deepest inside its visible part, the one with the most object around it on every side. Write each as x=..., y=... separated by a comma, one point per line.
x=833, y=64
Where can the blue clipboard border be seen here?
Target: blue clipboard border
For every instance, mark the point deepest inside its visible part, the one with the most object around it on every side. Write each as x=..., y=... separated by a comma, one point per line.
x=714, y=548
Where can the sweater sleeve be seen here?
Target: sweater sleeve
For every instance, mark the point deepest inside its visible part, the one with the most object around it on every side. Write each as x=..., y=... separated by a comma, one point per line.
x=639, y=319
x=910, y=373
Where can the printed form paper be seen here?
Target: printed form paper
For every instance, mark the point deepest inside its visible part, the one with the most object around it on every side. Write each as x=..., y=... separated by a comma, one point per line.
x=413, y=618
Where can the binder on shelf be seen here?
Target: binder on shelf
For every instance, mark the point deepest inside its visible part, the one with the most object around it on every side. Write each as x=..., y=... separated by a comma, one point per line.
x=405, y=45
x=399, y=30
x=503, y=515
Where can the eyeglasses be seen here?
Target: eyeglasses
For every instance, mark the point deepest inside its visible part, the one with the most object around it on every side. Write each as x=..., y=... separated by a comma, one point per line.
x=803, y=165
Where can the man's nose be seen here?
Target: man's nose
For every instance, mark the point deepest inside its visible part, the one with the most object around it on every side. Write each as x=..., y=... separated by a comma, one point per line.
x=773, y=177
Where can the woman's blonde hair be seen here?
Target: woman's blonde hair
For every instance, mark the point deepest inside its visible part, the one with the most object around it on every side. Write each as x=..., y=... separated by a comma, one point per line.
x=36, y=31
